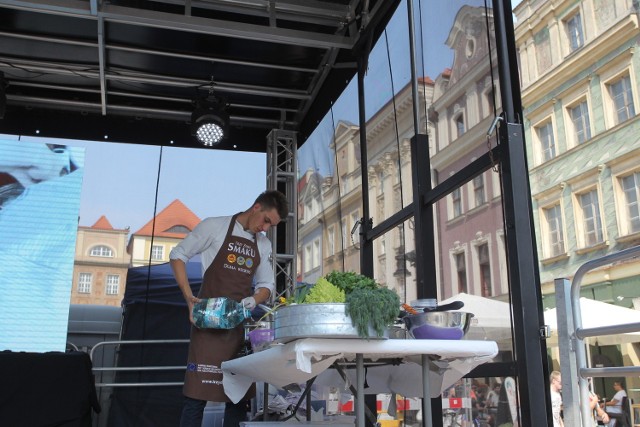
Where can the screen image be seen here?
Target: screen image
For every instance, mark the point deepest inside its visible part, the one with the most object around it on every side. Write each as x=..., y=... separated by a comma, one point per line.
x=40, y=187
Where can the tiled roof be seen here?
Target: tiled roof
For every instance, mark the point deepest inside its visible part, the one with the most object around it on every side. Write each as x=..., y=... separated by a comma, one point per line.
x=177, y=214
x=103, y=224
x=426, y=80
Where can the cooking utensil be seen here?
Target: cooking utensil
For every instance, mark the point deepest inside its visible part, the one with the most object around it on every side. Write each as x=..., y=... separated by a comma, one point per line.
x=443, y=325
x=453, y=305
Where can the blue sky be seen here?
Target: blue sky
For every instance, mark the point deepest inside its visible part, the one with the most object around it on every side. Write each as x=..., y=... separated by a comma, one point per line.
x=120, y=181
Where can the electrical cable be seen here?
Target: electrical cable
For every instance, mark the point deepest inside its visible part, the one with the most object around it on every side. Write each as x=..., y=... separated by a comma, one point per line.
x=339, y=207
x=395, y=122
x=153, y=232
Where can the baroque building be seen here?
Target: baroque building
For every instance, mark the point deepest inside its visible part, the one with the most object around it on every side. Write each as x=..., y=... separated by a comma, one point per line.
x=152, y=243
x=100, y=264
x=469, y=220
x=580, y=70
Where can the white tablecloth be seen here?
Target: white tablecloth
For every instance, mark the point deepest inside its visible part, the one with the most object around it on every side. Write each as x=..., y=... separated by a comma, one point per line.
x=303, y=359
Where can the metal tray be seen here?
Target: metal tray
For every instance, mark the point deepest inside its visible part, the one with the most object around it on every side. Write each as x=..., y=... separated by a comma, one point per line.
x=316, y=321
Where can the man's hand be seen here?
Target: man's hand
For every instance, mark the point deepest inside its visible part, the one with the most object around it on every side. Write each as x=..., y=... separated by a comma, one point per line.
x=191, y=301
x=249, y=303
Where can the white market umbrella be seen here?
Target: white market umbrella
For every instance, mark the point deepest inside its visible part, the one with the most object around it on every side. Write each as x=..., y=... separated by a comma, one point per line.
x=596, y=314
x=491, y=318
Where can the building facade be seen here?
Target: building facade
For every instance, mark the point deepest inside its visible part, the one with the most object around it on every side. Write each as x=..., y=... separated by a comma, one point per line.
x=152, y=243
x=580, y=70
x=100, y=264
x=469, y=220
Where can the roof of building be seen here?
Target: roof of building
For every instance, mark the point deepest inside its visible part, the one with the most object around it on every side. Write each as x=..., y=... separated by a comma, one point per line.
x=102, y=223
x=177, y=214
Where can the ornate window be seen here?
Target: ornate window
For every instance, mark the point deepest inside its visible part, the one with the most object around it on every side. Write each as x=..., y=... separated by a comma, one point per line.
x=573, y=26
x=622, y=99
x=101, y=251
x=554, y=231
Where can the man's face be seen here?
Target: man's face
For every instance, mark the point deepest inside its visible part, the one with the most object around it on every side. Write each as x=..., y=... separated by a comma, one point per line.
x=557, y=383
x=260, y=219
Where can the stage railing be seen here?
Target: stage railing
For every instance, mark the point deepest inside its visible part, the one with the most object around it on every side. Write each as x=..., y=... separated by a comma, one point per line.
x=573, y=360
x=136, y=368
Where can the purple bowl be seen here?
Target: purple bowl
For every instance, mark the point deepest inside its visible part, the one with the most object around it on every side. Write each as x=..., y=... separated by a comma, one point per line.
x=439, y=325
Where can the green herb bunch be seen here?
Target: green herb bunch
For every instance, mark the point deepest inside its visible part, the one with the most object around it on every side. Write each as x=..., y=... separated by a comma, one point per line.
x=368, y=303
x=378, y=308
x=349, y=281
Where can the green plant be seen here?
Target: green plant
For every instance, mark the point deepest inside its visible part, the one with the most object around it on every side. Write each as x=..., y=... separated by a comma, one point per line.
x=324, y=292
x=378, y=307
x=368, y=303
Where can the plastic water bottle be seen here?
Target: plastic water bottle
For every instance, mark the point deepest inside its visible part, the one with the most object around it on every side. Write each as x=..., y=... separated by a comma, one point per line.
x=219, y=313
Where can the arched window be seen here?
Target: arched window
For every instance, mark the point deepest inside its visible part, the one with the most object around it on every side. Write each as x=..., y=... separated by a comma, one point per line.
x=460, y=128
x=102, y=251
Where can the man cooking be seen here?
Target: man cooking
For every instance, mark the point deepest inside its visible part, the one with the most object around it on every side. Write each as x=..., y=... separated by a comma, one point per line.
x=235, y=255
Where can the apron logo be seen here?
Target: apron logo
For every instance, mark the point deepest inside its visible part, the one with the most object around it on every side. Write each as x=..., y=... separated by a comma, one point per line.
x=231, y=258
x=241, y=249
x=249, y=262
x=191, y=367
x=240, y=260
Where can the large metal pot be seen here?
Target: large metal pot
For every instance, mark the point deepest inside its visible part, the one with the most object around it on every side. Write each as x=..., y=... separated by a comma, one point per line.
x=438, y=325
x=315, y=321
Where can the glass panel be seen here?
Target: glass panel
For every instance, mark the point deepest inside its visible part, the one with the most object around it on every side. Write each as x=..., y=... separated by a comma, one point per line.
x=389, y=120
x=472, y=265
x=395, y=259
x=480, y=402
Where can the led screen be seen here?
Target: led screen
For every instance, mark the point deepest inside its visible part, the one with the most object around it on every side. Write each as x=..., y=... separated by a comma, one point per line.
x=40, y=188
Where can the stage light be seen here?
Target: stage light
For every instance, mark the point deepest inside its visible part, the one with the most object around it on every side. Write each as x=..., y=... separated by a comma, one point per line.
x=209, y=121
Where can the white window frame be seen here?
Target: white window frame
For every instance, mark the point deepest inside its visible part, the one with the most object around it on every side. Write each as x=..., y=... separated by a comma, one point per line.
x=308, y=257
x=344, y=184
x=567, y=29
x=572, y=133
x=316, y=254
x=112, y=284
x=154, y=252
x=453, y=212
x=475, y=188
x=581, y=219
x=478, y=270
x=610, y=74
x=331, y=240
x=102, y=251
x=623, y=211
x=453, y=254
x=539, y=148
x=459, y=118
x=548, y=248
x=85, y=281
x=630, y=105
x=307, y=211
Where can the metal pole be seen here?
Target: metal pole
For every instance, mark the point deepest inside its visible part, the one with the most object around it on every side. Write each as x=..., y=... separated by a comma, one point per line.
x=414, y=73
x=427, y=419
x=359, y=390
x=524, y=277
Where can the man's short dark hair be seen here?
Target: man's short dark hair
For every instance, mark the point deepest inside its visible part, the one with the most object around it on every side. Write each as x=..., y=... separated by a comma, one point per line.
x=273, y=199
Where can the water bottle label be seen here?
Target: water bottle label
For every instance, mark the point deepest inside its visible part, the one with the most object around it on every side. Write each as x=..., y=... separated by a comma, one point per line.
x=219, y=313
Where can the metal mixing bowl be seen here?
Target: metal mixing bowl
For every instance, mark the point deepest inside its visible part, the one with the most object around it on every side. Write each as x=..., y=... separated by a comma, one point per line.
x=438, y=325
